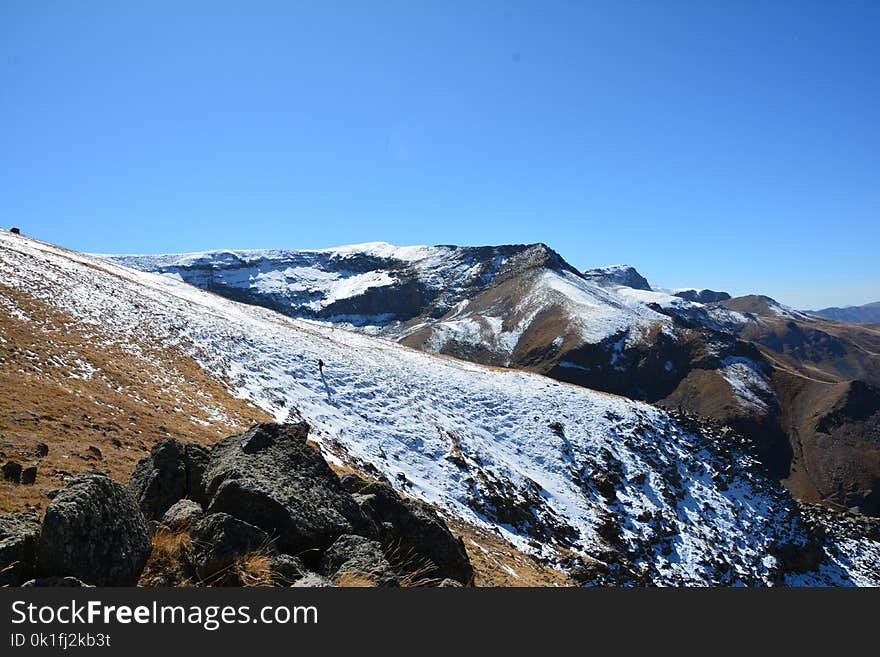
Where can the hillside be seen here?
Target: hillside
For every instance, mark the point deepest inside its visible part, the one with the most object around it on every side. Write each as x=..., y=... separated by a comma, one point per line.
x=567, y=474
x=778, y=375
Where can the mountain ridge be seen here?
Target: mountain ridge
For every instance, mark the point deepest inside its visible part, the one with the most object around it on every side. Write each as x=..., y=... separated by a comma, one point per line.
x=868, y=313
x=736, y=360
x=654, y=496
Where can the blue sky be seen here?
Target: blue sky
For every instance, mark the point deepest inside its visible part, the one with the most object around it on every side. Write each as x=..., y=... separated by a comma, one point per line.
x=731, y=145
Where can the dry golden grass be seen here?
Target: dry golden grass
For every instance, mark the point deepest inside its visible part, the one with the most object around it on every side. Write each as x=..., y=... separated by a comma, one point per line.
x=59, y=387
x=254, y=569
x=352, y=580
x=168, y=562
x=498, y=563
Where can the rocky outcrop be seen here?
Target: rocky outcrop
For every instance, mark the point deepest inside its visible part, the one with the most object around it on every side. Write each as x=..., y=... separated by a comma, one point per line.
x=703, y=296
x=271, y=479
x=617, y=275
x=417, y=535
x=93, y=530
x=277, y=515
x=19, y=534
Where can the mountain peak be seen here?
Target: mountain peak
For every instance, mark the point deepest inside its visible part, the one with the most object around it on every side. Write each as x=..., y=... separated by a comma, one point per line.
x=617, y=275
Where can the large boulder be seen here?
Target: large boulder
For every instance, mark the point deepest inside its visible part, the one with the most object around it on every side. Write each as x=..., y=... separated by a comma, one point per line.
x=12, y=471
x=93, y=530
x=362, y=559
x=159, y=480
x=195, y=460
x=172, y=471
x=269, y=477
x=19, y=534
x=416, y=538
x=218, y=540
x=29, y=475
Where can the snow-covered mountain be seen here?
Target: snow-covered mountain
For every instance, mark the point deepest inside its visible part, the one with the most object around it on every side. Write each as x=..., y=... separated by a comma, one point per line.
x=776, y=374
x=515, y=305
x=559, y=470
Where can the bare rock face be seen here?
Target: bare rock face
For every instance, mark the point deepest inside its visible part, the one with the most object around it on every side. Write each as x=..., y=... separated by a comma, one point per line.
x=270, y=478
x=19, y=534
x=94, y=531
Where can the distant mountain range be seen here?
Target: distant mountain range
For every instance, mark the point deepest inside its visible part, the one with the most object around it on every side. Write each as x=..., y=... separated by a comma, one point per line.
x=867, y=314
x=805, y=389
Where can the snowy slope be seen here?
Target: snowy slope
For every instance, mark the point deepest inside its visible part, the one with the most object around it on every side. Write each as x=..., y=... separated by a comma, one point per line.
x=447, y=293
x=676, y=504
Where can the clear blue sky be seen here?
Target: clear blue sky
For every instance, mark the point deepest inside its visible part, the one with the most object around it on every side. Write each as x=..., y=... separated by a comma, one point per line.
x=733, y=145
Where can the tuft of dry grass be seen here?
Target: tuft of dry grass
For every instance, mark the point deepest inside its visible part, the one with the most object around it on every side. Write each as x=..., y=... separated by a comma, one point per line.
x=253, y=569
x=414, y=570
x=169, y=562
x=353, y=580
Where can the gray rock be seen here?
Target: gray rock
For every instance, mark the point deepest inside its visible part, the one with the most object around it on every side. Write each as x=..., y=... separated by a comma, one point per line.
x=57, y=582
x=159, y=480
x=29, y=475
x=703, y=296
x=12, y=471
x=313, y=580
x=358, y=556
x=352, y=482
x=270, y=478
x=195, y=460
x=418, y=539
x=449, y=584
x=183, y=513
x=19, y=535
x=218, y=540
x=286, y=569
x=93, y=530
